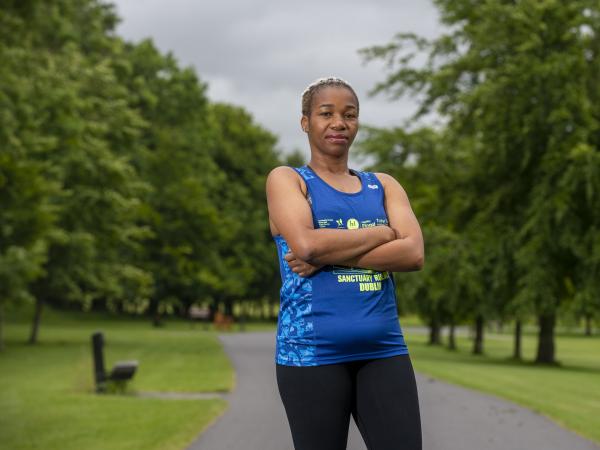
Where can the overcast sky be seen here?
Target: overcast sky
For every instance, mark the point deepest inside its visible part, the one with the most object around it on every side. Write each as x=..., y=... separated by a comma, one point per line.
x=261, y=54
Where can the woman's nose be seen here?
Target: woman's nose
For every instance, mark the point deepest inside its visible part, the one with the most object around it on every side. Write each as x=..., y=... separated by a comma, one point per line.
x=338, y=122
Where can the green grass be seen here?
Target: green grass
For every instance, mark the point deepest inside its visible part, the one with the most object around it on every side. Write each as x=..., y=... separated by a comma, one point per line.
x=568, y=393
x=47, y=398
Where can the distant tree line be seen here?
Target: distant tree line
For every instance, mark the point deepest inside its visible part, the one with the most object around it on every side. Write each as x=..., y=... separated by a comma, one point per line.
x=121, y=186
x=507, y=187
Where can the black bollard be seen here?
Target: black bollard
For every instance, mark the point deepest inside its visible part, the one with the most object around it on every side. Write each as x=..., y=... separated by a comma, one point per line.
x=98, y=352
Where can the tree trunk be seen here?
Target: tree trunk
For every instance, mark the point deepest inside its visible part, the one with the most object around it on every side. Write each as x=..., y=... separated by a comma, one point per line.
x=274, y=311
x=228, y=307
x=545, y=350
x=154, y=313
x=35, y=325
x=1, y=329
x=517, y=352
x=478, y=341
x=212, y=308
x=242, y=318
x=262, y=310
x=182, y=310
x=452, y=337
x=434, y=333
x=588, y=324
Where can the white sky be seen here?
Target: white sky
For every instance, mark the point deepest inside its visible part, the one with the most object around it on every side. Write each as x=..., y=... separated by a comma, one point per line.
x=261, y=54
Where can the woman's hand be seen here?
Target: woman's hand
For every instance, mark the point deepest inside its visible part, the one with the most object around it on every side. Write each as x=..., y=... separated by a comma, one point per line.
x=300, y=267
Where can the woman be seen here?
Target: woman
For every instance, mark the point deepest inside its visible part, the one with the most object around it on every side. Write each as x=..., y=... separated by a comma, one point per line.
x=339, y=233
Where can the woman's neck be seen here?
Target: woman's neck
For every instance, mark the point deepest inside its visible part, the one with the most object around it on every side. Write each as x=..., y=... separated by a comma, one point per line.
x=332, y=165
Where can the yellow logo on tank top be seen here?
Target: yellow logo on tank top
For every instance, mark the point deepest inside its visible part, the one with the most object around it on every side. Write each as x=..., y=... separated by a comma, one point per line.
x=364, y=281
x=352, y=224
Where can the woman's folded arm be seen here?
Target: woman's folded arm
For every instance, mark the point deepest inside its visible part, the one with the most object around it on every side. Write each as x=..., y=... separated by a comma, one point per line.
x=404, y=253
x=291, y=216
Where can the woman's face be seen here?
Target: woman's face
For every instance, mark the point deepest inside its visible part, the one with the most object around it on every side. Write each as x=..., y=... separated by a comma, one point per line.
x=333, y=121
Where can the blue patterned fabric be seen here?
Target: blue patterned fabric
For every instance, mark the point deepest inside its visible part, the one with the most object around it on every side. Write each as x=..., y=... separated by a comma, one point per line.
x=295, y=331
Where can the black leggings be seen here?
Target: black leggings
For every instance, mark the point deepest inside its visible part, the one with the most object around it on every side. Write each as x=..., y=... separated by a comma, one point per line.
x=381, y=395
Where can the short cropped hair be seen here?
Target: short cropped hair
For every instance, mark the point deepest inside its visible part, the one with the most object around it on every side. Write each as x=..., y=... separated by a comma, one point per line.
x=317, y=85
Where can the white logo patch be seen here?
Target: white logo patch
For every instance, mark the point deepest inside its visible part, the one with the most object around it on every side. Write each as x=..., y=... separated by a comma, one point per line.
x=373, y=186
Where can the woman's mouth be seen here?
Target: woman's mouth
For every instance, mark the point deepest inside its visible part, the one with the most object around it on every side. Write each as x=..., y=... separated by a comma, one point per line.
x=336, y=138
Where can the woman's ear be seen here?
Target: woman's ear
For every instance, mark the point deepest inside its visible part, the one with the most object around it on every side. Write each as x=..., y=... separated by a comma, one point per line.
x=304, y=124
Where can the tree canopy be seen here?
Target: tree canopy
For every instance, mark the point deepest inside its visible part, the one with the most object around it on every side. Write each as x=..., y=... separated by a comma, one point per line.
x=516, y=86
x=122, y=186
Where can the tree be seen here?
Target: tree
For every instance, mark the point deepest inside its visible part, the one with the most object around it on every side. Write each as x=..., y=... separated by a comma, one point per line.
x=207, y=165
x=182, y=207
x=74, y=124
x=27, y=216
x=245, y=152
x=516, y=78
x=26, y=221
x=295, y=159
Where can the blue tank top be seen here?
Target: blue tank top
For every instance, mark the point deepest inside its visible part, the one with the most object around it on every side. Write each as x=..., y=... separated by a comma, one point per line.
x=339, y=313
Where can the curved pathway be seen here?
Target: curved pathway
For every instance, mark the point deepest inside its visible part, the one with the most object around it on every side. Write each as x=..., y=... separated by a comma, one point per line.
x=453, y=418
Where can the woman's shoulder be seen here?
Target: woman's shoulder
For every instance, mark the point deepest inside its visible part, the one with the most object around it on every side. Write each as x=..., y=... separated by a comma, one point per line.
x=287, y=175
x=282, y=173
x=388, y=181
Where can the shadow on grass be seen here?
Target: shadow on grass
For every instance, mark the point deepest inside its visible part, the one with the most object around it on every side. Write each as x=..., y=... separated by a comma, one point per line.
x=459, y=356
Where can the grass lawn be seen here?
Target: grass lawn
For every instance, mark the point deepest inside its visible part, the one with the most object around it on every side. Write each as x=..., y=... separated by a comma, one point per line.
x=47, y=398
x=569, y=394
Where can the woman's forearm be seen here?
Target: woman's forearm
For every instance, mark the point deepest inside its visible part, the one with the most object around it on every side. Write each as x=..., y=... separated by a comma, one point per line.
x=328, y=246
x=399, y=255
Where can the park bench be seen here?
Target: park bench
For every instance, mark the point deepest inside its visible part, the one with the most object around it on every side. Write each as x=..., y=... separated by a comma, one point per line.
x=199, y=314
x=121, y=372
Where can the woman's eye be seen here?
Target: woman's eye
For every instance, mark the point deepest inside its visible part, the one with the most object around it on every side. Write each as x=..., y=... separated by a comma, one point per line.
x=325, y=113
x=350, y=116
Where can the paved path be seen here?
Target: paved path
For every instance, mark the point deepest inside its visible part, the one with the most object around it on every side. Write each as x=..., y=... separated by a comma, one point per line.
x=453, y=418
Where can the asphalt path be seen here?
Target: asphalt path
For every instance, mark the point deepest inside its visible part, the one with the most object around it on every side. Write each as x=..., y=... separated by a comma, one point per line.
x=453, y=418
